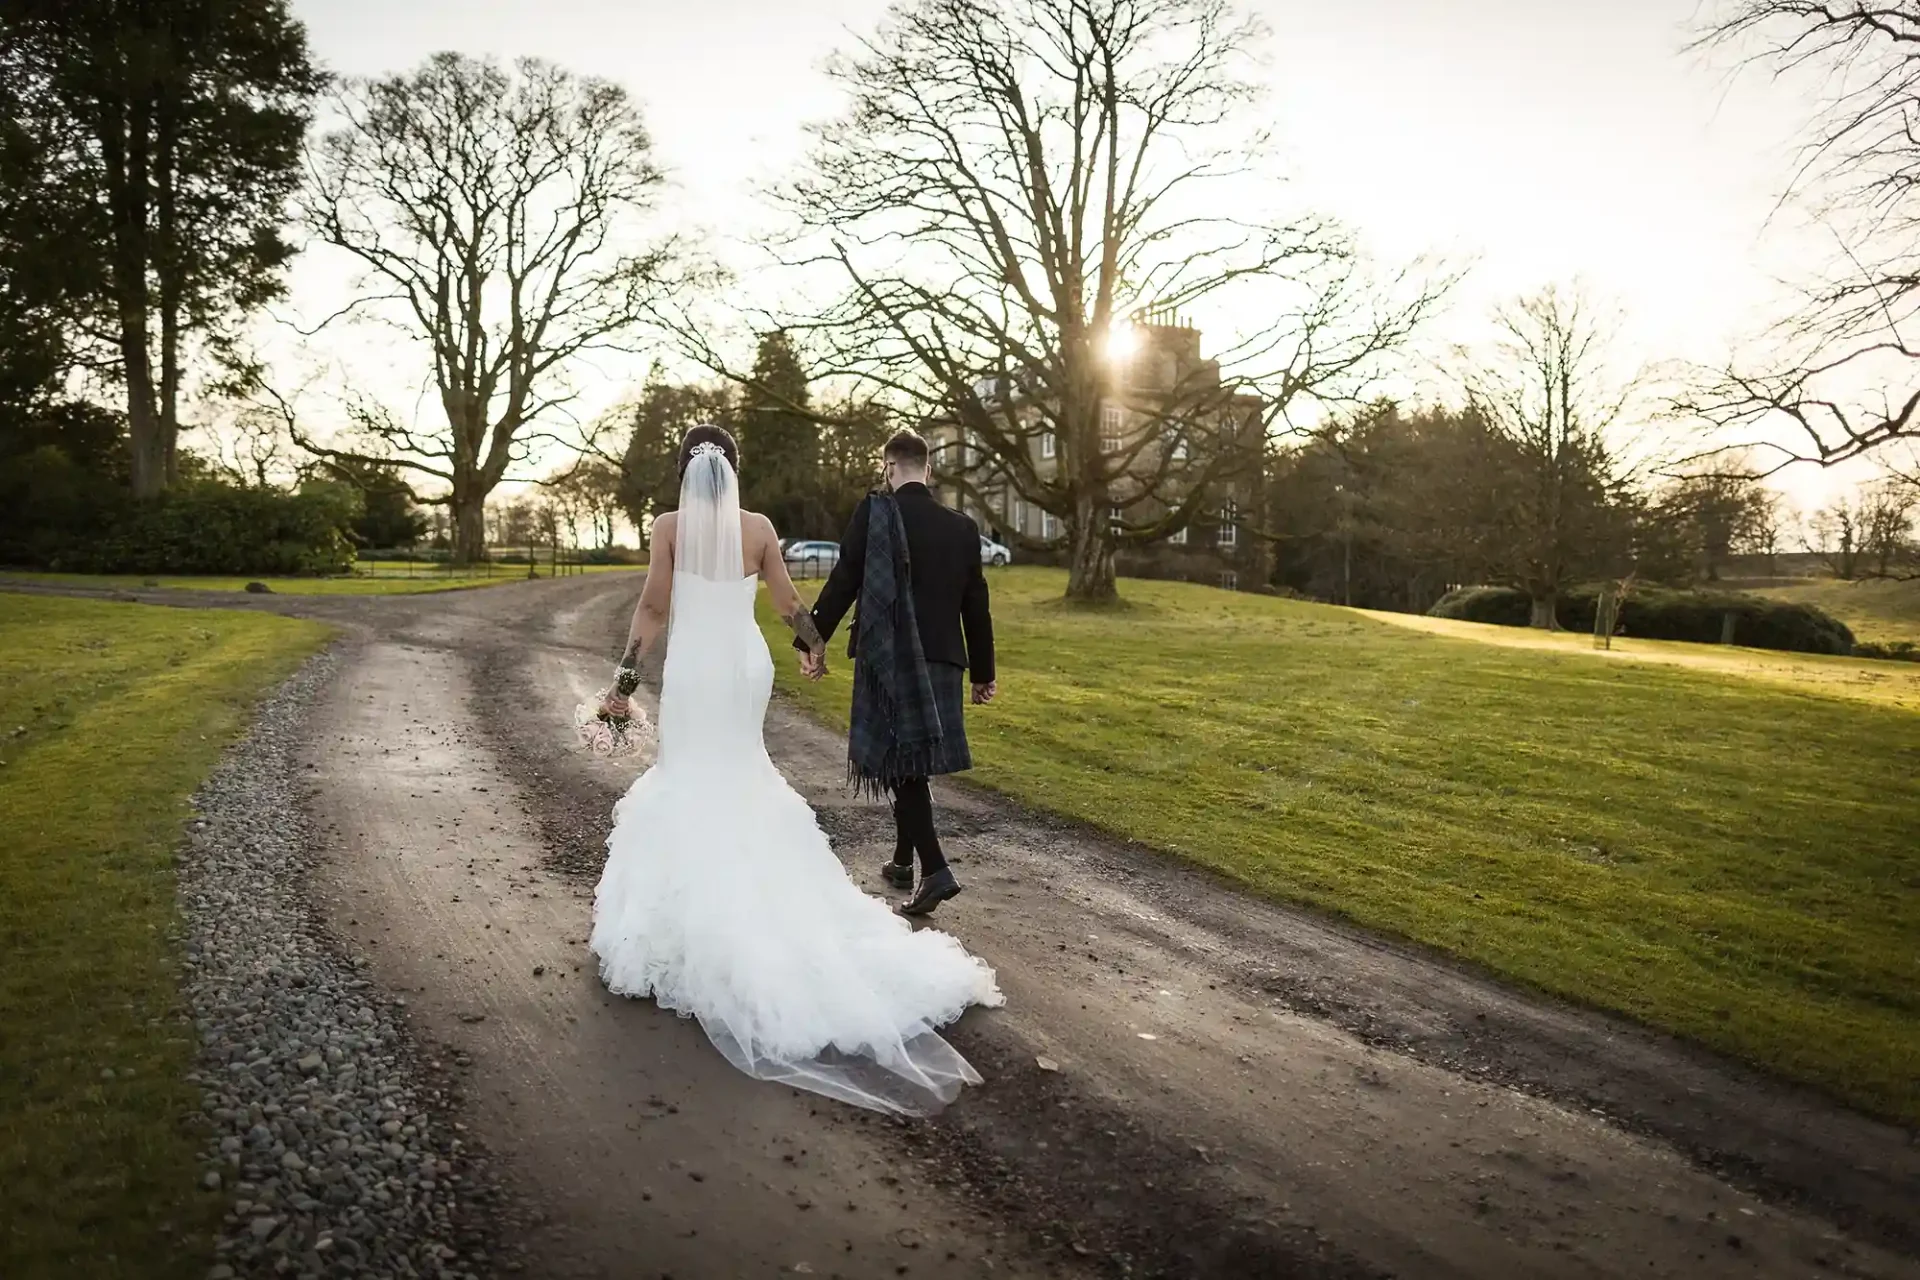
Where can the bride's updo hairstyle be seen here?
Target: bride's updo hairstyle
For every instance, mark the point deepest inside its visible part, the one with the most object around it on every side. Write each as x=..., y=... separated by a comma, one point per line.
x=707, y=433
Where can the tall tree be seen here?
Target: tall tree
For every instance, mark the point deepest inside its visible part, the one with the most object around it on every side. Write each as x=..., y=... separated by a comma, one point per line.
x=1887, y=508
x=46, y=224
x=1011, y=182
x=1717, y=514
x=1549, y=393
x=592, y=488
x=650, y=479
x=503, y=214
x=186, y=120
x=388, y=516
x=853, y=435
x=1839, y=378
x=780, y=440
x=1389, y=508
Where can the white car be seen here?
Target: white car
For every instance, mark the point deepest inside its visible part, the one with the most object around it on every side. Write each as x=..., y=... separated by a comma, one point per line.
x=810, y=556
x=994, y=553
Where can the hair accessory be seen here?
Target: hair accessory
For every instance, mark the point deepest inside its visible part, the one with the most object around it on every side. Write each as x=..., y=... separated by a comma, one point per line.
x=707, y=449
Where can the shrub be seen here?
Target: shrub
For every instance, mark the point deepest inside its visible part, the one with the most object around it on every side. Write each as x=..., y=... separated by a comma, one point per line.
x=612, y=555
x=209, y=527
x=1656, y=613
x=1890, y=650
x=1502, y=606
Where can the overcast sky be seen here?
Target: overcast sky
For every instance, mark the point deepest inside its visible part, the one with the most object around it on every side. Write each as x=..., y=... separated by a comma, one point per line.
x=1543, y=139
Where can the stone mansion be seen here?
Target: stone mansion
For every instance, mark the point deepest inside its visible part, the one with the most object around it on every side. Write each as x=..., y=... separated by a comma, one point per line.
x=1155, y=377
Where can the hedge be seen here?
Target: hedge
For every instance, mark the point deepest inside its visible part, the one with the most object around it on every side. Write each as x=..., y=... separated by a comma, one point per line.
x=209, y=528
x=1658, y=613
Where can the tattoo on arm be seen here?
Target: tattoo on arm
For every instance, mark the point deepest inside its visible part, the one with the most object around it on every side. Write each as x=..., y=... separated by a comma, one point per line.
x=802, y=623
x=647, y=660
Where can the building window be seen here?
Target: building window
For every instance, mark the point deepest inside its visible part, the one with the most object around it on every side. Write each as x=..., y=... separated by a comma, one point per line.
x=1048, y=445
x=1229, y=581
x=1049, y=526
x=1115, y=518
x=1110, y=423
x=1178, y=538
x=1229, y=524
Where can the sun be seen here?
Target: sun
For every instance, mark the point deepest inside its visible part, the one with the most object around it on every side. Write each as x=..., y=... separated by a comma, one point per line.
x=1123, y=342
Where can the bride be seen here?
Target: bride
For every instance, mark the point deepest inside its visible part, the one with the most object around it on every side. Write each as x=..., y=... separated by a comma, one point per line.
x=721, y=898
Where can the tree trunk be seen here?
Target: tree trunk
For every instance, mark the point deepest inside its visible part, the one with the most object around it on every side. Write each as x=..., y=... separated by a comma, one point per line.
x=469, y=530
x=169, y=263
x=1090, y=576
x=1543, y=611
x=124, y=143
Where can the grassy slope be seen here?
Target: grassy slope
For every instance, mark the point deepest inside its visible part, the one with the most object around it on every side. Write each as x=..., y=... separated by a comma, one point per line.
x=1879, y=611
x=1730, y=860
x=110, y=715
x=1891, y=684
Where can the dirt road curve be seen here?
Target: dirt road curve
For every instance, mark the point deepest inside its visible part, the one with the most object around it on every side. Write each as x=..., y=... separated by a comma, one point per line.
x=1240, y=1090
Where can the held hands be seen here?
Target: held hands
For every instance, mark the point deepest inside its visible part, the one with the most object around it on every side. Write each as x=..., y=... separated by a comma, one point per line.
x=813, y=665
x=983, y=693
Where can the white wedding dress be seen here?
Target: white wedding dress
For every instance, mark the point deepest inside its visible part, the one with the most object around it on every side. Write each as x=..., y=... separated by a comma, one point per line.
x=722, y=899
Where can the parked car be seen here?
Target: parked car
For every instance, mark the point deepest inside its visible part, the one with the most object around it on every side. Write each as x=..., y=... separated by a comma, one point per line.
x=994, y=553
x=808, y=557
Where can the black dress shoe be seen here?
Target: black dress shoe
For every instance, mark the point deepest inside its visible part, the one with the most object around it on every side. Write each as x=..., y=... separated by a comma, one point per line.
x=934, y=890
x=897, y=874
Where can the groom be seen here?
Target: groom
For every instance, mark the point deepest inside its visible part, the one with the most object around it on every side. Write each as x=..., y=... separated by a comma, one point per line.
x=922, y=631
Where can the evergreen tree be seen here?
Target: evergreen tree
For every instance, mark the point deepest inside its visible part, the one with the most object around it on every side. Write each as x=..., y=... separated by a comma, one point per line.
x=780, y=442
x=650, y=477
x=388, y=516
x=185, y=120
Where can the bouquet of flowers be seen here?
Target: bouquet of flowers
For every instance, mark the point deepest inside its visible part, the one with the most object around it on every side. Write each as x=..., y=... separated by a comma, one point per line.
x=605, y=734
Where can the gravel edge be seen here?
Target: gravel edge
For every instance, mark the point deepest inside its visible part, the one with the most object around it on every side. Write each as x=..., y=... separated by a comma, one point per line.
x=331, y=1129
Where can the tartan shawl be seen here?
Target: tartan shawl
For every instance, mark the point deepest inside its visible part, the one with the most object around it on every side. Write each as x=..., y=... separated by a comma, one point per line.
x=894, y=733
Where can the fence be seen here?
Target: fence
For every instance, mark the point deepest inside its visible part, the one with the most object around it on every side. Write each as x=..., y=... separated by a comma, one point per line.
x=535, y=561
x=810, y=565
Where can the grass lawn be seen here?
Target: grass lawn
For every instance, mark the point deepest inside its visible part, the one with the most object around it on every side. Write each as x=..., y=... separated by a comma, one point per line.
x=376, y=578
x=1876, y=610
x=110, y=715
x=1895, y=684
x=1735, y=860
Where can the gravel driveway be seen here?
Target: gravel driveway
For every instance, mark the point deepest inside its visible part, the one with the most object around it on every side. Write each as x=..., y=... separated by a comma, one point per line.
x=1228, y=1088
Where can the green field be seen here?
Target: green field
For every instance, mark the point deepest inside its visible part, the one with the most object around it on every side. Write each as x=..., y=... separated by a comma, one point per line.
x=110, y=716
x=386, y=577
x=1877, y=610
x=1735, y=860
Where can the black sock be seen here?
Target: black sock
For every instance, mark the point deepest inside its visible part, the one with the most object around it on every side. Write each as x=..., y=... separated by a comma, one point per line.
x=902, y=838
x=913, y=815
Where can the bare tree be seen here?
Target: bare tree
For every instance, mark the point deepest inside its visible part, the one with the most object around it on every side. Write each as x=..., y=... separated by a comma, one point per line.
x=1889, y=507
x=499, y=215
x=1834, y=534
x=1843, y=378
x=592, y=489
x=1550, y=392
x=1012, y=182
x=253, y=449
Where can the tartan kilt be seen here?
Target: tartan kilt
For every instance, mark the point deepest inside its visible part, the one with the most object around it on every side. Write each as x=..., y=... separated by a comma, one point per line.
x=950, y=700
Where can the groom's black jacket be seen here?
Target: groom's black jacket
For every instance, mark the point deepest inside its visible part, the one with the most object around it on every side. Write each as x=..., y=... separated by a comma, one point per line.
x=949, y=588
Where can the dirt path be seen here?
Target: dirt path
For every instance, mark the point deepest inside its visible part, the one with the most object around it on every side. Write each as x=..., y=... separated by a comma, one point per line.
x=1240, y=1090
